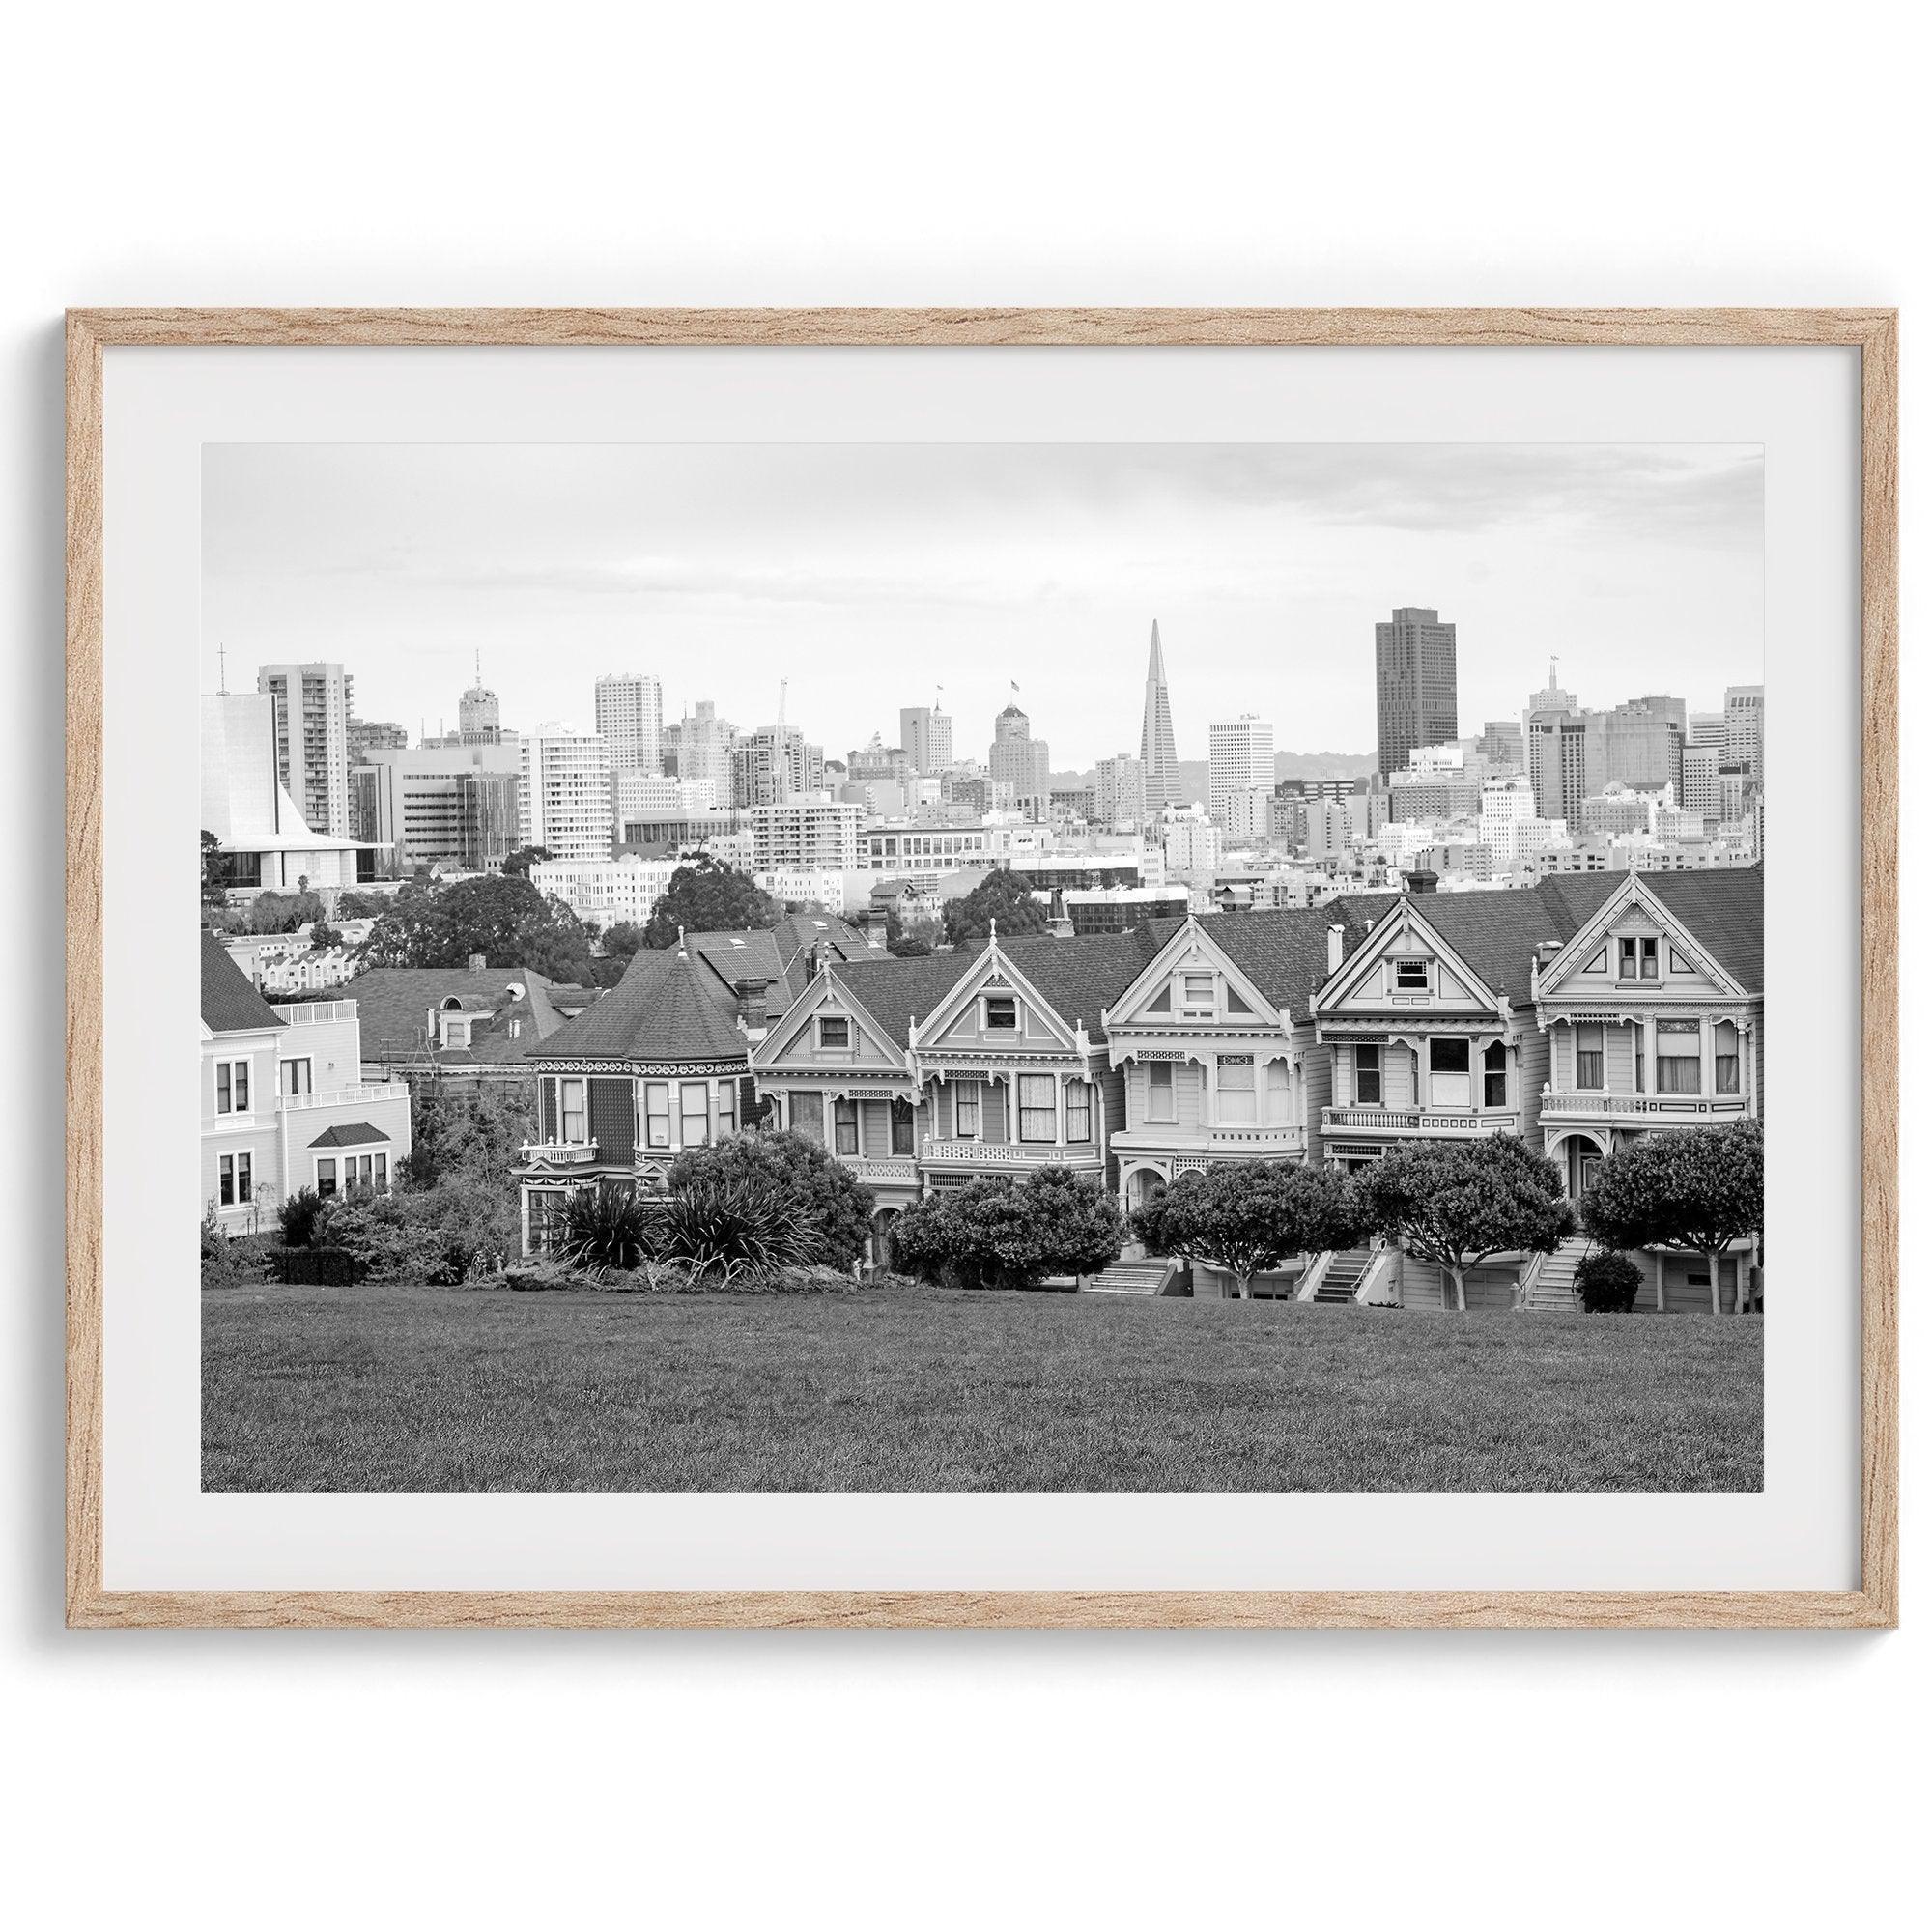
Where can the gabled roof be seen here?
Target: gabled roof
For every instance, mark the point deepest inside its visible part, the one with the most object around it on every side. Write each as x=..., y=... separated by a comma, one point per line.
x=1285, y=953
x=781, y=957
x=669, y=1006
x=392, y=1002
x=1080, y=977
x=896, y=993
x=229, y=1002
x=1496, y=934
x=357, y=1133
x=1723, y=910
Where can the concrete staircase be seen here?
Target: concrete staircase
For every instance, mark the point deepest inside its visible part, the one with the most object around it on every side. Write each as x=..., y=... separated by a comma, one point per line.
x=1344, y=1276
x=1553, y=1292
x=1144, y=1275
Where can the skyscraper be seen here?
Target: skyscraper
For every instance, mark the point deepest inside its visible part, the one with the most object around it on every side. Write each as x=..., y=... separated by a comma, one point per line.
x=1744, y=727
x=1240, y=774
x=564, y=796
x=479, y=718
x=312, y=706
x=1160, y=769
x=1119, y=790
x=1018, y=758
x=1416, y=685
x=925, y=737
x=773, y=764
x=630, y=720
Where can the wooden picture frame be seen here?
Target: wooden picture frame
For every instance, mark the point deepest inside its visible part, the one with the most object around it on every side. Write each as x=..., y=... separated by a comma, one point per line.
x=1872, y=332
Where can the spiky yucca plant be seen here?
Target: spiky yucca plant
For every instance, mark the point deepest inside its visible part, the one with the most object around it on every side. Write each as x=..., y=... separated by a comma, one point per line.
x=604, y=1227
x=728, y=1229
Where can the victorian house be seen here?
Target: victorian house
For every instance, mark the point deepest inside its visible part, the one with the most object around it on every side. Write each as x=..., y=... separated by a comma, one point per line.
x=925, y=1073
x=661, y=1063
x=1654, y=1011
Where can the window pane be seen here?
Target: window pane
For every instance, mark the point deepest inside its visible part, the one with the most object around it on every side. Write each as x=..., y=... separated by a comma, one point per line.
x=244, y=1176
x=966, y=1111
x=1160, y=1091
x=325, y=1177
x=833, y=1032
x=902, y=1119
x=1079, y=1111
x=228, y=1180
x=1001, y=1017
x=1038, y=1119
x=1236, y=1079
x=845, y=1125
x=1412, y=974
x=657, y=1114
x=1448, y=1055
x=241, y=1086
x=576, y=1123
x=727, y=1107
x=1369, y=1076
x=693, y=1106
x=224, y=1097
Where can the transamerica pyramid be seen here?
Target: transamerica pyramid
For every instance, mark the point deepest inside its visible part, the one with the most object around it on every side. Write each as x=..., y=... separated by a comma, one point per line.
x=1160, y=769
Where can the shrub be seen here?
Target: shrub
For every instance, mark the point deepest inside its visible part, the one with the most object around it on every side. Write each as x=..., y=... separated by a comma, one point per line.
x=998, y=1231
x=1608, y=1284
x=316, y=1267
x=297, y=1214
x=1250, y=1216
x=220, y=1267
x=731, y=1231
x=606, y=1226
x=439, y=1235
x=832, y=1211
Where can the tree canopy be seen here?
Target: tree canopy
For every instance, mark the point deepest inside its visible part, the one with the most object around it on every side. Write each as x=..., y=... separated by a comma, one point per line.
x=998, y=1231
x=1456, y=1203
x=472, y=1137
x=282, y=912
x=705, y=897
x=1693, y=1189
x=831, y=1207
x=506, y=920
x=623, y=939
x=517, y=865
x=1000, y=895
x=1250, y=1216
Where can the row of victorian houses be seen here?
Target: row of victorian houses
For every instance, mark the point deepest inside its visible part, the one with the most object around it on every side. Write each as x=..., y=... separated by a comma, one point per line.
x=1580, y=1013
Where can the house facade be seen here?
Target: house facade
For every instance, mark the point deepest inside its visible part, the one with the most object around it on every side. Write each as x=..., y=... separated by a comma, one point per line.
x=284, y=1103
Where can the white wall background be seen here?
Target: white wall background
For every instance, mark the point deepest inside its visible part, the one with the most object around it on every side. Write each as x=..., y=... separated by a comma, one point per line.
x=998, y=153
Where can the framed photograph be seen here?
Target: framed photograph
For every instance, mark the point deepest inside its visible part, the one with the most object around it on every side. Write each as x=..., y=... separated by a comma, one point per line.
x=1006, y=968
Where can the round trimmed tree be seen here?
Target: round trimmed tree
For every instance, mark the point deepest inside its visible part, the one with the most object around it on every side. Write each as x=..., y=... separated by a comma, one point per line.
x=1456, y=1202
x=1694, y=1189
x=998, y=1231
x=1249, y=1216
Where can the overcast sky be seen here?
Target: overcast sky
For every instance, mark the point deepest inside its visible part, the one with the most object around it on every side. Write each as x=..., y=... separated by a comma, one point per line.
x=872, y=574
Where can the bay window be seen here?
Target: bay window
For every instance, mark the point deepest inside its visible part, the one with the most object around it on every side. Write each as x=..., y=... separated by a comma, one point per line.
x=657, y=1114
x=1234, y=1088
x=1589, y=1055
x=693, y=1113
x=1160, y=1092
x=1448, y=1072
x=574, y=1111
x=1679, y=1057
x=1039, y=1119
x=1724, y=1057
x=325, y=1177
x=1278, y=1107
x=728, y=1108
x=1368, y=1076
x=1079, y=1112
x=1495, y=1074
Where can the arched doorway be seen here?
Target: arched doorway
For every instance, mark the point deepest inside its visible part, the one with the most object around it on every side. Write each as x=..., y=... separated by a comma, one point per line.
x=1578, y=1157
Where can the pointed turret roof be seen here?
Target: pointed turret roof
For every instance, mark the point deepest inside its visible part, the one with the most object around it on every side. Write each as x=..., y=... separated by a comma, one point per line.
x=1156, y=664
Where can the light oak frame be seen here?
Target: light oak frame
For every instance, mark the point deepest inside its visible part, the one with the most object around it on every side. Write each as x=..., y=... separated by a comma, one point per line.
x=1873, y=332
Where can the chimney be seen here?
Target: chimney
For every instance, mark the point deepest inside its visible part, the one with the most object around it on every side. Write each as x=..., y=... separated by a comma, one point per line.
x=476, y=963
x=872, y=924
x=752, y=1015
x=1061, y=924
x=1334, y=947
x=1420, y=882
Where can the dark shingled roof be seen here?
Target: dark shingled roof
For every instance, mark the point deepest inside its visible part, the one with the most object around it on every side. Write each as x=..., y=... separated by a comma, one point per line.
x=1722, y=909
x=781, y=957
x=1285, y=953
x=894, y=991
x=669, y=1006
x=1495, y=934
x=392, y=1002
x=1080, y=977
x=359, y=1134
x=229, y=1002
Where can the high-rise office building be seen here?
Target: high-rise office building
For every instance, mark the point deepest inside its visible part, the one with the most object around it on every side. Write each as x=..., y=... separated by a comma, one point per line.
x=1552, y=748
x=479, y=718
x=704, y=745
x=1744, y=727
x=630, y=720
x=925, y=737
x=775, y=763
x=1161, y=768
x=448, y=805
x=313, y=702
x=564, y=798
x=1416, y=685
x=1019, y=759
x=265, y=841
x=1640, y=744
x=1119, y=790
x=1502, y=744
x=366, y=735
x=1241, y=764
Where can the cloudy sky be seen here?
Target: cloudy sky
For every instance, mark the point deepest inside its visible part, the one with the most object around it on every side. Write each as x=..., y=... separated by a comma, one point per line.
x=870, y=575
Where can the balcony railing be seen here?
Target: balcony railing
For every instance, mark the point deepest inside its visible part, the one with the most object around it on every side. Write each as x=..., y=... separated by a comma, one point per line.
x=1262, y=1137
x=1010, y=1153
x=883, y=1170
x=559, y=1153
x=337, y=1096
x=1652, y=1107
x=1422, y=1120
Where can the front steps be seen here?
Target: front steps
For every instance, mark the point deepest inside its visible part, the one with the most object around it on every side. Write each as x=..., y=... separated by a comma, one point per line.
x=1344, y=1277
x=1148, y=1276
x=1553, y=1292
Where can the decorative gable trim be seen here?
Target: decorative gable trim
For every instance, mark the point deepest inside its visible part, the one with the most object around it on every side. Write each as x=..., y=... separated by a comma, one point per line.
x=822, y=996
x=1143, y=1001
x=1403, y=922
x=1596, y=932
x=993, y=972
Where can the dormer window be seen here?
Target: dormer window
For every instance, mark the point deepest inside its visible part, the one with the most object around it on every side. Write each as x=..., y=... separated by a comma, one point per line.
x=1001, y=1013
x=1412, y=976
x=1636, y=957
x=835, y=1030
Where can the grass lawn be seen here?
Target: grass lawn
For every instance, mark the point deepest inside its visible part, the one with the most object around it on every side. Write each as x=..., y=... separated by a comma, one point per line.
x=424, y=1389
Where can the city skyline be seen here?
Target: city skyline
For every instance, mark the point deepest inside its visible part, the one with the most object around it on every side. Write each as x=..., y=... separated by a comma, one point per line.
x=720, y=571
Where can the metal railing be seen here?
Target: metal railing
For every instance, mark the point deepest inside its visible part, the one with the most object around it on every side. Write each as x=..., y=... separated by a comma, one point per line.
x=337, y=1096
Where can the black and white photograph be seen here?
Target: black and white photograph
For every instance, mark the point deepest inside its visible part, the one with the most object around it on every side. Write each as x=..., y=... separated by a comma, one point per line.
x=982, y=967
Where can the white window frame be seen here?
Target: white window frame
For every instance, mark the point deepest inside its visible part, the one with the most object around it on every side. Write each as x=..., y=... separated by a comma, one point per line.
x=244, y=1087
x=295, y=1083
x=826, y=1043
x=1032, y=1082
x=1079, y=1113
x=1244, y=1111
x=968, y=1094
x=991, y=1000
x=1398, y=967
x=1169, y=1087
x=655, y=1138
x=565, y=1110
